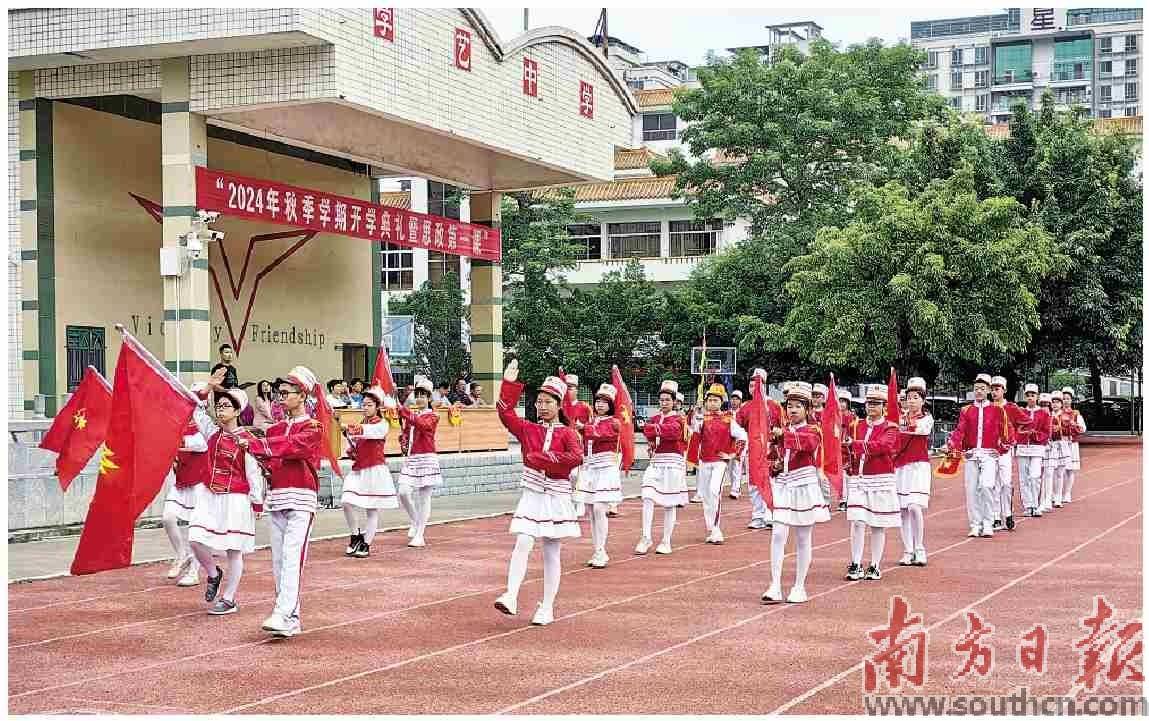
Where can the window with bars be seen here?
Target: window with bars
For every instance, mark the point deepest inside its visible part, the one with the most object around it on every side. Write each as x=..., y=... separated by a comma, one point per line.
x=931, y=81
x=1105, y=45
x=955, y=103
x=1130, y=43
x=1131, y=111
x=85, y=347
x=1130, y=91
x=442, y=199
x=955, y=81
x=659, y=126
x=931, y=59
x=1105, y=68
x=398, y=271
x=588, y=237
x=1131, y=68
x=1105, y=113
x=981, y=55
x=635, y=240
x=955, y=57
x=439, y=265
x=982, y=103
x=1106, y=93
x=981, y=79
x=694, y=237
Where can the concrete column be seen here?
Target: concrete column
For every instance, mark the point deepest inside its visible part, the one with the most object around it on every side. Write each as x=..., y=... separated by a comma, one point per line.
x=604, y=240
x=465, y=268
x=187, y=300
x=487, y=303
x=664, y=238
x=420, y=255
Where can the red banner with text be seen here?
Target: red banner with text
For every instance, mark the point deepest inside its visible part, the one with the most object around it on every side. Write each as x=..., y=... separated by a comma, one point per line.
x=273, y=202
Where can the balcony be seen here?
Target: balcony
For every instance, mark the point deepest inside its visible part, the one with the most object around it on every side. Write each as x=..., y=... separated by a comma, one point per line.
x=1014, y=81
x=658, y=270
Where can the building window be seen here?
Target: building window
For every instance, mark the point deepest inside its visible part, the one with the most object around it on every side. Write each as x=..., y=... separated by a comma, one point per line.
x=635, y=240
x=694, y=237
x=1089, y=16
x=85, y=347
x=981, y=79
x=1130, y=91
x=1105, y=113
x=955, y=103
x=1131, y=68
x=1105, y=68
x=1105, y=45
x=955, y=81
x=439, y=265
x=1106, y=93
x=932, y=81
x=1131, y=111
x=1072, y=59
x=398, y=268
x=955, y=57
x=442, y=199
x=588, y=237
x=982, y=103
x=1130, y=43
x=931, y=60
x=981, y=55
x=659, y=126
x=1013, y=63
x=354, y=360
x=634, y=84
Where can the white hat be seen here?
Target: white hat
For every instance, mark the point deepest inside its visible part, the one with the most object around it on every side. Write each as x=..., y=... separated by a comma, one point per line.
x=679, y=397
x=378, y=395
x=1068, y=391
x=302, y=377
x=555, y=387
x=571, y=379
x=607, y=391
x=844, y=394
x=424, y=383
x=1056, y=396
x=877, y=392
x=1043, y=398
x=820, y=388
x=916, y=384
x=1032, y=388
x=670, y=387
x=998, y=381
x=237, y=396
x=759, y=373
x=798, y=389
x=736, y=394
x=983, y=378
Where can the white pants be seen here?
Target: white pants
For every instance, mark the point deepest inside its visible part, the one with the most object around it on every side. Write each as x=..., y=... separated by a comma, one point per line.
x=1003, y=487
x=710, y=476
x=290, y=530
x=1029, y=475
x=980, y=479
x=1051, y=472
x=734, y=473
x=761, y=510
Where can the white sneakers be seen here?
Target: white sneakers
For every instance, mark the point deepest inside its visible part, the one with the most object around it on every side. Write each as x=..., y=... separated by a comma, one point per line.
x=282, y=627
x=663, y=548
x=179, y=566
x=191, y=578
x=544, y=616
x=987, y=529
x=907, y=559
x=643, y=546
x=974, y=531
x=416, y=542
x=598, y=560
x=772, y=595
x=410, y=532
x=716, y=537
x=797, y=595
x=507, y=604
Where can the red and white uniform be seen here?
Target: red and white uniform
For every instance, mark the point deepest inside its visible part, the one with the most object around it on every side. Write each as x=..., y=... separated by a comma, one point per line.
x=797, y=495
x=1074, y=424
x=550, y=452
x=872, y=495
x=417, y=438
x=599, y=479
x=981, y=435
x=664, y=480
x=369, y=484
x=1015, y=418
x=1032, y=443
x=912, y=469
x=720, y=435
x=189, y=470
x=229, y=496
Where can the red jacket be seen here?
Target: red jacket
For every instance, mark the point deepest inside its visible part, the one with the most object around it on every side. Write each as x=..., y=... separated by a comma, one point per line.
x=565, y=453
x=875, y=447
x=292, y=452
x=914, y=442
x=666, y=433
x=1018, y=419
x=1037, y=430
x=418, y=432
x=370, y=441
x=601, y=435
x=717, y=437
x=994, y=428
x=191, y=466
x=227, y=470
x=803, y=442
x=577, y=412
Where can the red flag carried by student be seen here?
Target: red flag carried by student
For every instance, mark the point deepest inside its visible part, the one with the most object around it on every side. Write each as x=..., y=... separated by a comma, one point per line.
x=149, y=411
x=758, y=447
x=893, y=410
x=80, y=426
x=382, y=376
x=624, y=412
x=832, y=439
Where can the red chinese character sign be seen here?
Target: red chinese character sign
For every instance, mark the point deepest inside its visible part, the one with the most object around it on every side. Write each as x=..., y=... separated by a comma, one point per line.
x=530, y=78
x=585, y=99
x=463, y=49
x=272, y=202
x=385, y=23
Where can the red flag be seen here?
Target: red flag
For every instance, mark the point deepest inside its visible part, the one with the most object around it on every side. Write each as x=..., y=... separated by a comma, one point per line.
x=758, y=448
x=80, y=426
x=893, y=410
x=624, y=412
x=382, y=376
x=326, y=418
x=149, y=411
x=832, y=439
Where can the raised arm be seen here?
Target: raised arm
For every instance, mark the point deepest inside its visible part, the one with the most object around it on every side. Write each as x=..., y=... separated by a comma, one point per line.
x=509, y=394
x=303, y=444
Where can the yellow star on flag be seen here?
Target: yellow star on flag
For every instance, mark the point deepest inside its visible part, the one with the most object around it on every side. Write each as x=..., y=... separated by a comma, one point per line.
x=106, y=463
x=80, y=420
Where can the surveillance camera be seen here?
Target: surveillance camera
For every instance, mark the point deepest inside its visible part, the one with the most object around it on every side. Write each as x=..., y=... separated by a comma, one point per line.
x=206, y=216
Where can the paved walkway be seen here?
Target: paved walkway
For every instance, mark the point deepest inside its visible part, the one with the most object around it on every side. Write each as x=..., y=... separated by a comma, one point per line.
x=53, y=557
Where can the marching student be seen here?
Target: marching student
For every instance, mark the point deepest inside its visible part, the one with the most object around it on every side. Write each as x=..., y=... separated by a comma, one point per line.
x=872, y=498
x=545, y=510
x=722, y=441
x=849, y=420
x=913, y=472
x=227, y=502
x=599, y=479
x=1076, y=427
x=817, y=407
x=978, y=435
x=737, y=465
x=1061, y=442
x=798, y=501
x=664, y=480
x=369, y=484
x=760, y=517
x=187, y=471
x=421, y=472
x=1003, y=488
x=1053, y=462
x=291, y=451
x=576, y=412
x=1032, y=441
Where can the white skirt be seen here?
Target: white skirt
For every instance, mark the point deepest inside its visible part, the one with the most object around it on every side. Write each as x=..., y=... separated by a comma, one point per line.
x=798, y=499
x=664, y=481
x=222, y=521
x=180, y=501
x=599, y=480
x=421, y=471
x=370, y=488
x=914, y=480
x=545, y=515
x=1073, y=463
x=1058, y=454
x=873, y=500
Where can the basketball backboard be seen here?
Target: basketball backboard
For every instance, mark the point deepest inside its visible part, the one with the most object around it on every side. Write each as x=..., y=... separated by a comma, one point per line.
x=399, y=335
x=713, y=361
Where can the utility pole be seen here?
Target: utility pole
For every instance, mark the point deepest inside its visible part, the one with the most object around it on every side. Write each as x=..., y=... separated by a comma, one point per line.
x=526, y=19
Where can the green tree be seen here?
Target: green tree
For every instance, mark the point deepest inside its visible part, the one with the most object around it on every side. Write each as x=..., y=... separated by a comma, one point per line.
x=919, y=282
x=437, y=314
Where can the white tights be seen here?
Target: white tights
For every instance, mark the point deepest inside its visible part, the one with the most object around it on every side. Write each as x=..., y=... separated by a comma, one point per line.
x=668, y=517
x=177, y=534
x=599, y=526
x=369, y=528
x=552, y=567
x=1070, y=477
x=804, y=537
x=913, y=529
x=417, y=503
x=858, y=543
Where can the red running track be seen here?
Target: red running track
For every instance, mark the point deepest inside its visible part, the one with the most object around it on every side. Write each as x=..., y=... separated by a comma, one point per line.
x=411, y=631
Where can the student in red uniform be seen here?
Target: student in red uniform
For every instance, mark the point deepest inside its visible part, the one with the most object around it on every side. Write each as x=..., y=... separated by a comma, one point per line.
x=187, y=471
x=1063, y=424
x=1075, y=427
x=849, y=420
x=722, y=441
x=291, y=451
x=1003, y=489
x=575, y=412
x=227, y=502
x=664, y=480
x=421, y=473
x=798, y=501
x=1032, y=439
x=872, y=499
x=599, y=479
x=551, y=450
x=978, y=435
x=369, y=484
x=913, y=472
x=1051, y=461
x=817, y=407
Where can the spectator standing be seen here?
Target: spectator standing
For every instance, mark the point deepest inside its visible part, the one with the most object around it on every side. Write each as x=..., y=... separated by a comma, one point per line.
x=226, y=361
x=263, y=406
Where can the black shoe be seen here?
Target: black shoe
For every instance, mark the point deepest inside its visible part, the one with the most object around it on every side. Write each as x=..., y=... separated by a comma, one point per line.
x=213, y=584
x=841, y=505
x=854, y=572
x=353, y=544
x=1009, y=523
x=873, y=574
x=363, y=550
x=998, y=525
